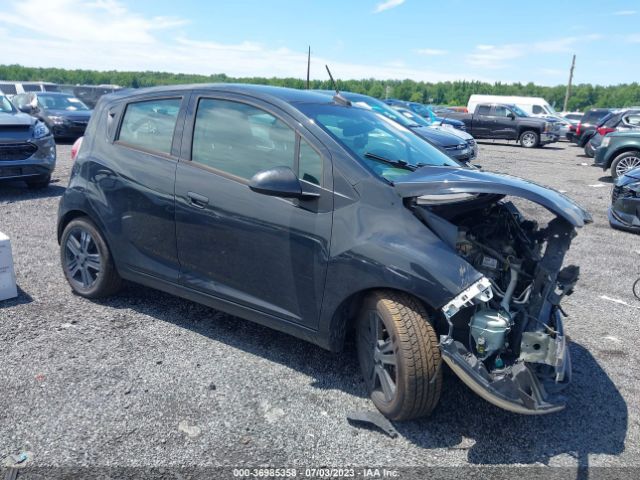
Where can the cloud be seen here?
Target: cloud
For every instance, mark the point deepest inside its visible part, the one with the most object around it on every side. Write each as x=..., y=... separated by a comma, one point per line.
x=108, y=35
x=430, y=52
x=498, y=56
x=624, y=13
x=388, y=4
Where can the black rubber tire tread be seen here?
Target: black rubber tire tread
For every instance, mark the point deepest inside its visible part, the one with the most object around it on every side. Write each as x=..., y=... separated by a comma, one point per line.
x=535, y=145
x=589, y=151
x=109, y=281
x=418, y=355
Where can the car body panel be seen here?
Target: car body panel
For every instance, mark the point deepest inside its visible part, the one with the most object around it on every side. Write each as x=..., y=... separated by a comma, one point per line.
x=619, y=142
x=624, y=212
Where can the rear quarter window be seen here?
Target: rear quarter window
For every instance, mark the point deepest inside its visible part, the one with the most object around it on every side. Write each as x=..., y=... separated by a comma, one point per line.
x=150, y=124
x=8, y=88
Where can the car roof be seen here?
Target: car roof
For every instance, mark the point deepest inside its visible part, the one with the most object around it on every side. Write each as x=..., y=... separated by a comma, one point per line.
x=287, y=95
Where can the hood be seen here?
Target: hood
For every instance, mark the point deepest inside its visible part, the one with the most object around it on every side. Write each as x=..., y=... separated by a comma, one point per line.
x=81, y=114
x=16, y=119
x=440, y=137
x=452, y=180
x=464, y=136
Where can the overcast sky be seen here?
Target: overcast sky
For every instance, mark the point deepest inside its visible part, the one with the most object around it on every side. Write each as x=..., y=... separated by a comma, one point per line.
x=419, y=39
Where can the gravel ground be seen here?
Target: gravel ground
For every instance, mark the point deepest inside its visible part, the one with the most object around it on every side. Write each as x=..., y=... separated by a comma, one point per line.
x=147, y=379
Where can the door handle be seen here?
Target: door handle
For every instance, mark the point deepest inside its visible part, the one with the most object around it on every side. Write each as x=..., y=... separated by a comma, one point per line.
x=197, y=200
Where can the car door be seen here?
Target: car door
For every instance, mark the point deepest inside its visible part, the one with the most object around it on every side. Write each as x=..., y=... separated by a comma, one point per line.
x=261, y=252
x=483, y=122
x=133, y=176
x=504, y=121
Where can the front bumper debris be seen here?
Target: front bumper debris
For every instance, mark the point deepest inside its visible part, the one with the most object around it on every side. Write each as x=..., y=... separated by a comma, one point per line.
x=518, y=388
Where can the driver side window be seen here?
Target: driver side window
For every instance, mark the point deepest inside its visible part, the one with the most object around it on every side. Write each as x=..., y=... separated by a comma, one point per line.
x=501, y=111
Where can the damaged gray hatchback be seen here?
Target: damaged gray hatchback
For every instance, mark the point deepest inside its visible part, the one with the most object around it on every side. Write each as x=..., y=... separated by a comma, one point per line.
x=296, y=210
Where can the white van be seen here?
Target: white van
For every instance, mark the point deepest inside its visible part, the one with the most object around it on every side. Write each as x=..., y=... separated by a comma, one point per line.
x=534, y=106
x=13, y=88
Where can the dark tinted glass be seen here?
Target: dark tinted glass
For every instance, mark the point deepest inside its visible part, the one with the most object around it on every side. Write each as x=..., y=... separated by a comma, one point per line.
x=240, y=139
x=484, y=110
x=150, y=124
x=8, y=88
x=31, y=88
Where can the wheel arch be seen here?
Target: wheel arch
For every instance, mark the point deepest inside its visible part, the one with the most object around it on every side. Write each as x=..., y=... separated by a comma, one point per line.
x=623, y=149
x=344, y=316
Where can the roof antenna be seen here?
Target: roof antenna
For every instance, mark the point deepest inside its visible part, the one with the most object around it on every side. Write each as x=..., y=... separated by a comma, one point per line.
x=339, y=99
x=308, y=65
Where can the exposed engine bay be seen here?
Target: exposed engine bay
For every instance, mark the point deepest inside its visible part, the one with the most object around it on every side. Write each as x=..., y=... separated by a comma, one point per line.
x=505, y=335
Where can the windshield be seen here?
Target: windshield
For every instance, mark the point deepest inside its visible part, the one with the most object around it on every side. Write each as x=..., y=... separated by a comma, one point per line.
x=376, y=140
x=5, y=105
x=384, y=109
x=414, y=117
x=60, y=102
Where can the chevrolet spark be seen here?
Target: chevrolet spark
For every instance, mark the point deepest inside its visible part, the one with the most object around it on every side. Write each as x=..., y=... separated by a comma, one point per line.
x=298, y=211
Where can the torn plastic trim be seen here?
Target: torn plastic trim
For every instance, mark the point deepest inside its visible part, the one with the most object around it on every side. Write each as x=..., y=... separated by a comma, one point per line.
x=479, y=291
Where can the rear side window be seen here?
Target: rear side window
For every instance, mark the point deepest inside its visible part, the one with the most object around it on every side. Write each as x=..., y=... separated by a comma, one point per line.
x=537, y=110
x=484, y=110
x=51, y=88
x=240, y=139
x=150, y=124
x=31, y=88
x=633, y=119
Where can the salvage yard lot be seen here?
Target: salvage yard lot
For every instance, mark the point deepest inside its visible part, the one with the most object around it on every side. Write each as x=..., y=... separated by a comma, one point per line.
x=147, y=379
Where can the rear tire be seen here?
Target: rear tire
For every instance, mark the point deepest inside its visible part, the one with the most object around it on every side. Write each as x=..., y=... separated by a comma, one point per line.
x=399, y=355
x=39, y=182
x=625, y=162
x=86, y=260
x=589, y=150
x=529, y=139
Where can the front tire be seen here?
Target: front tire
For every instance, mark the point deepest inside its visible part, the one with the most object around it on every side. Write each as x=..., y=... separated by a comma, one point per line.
x=529, y=139
x=86, y=260
x=624, y=162
x=399, y=355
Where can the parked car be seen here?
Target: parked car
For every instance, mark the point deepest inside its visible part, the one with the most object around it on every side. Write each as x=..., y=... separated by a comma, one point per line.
x=573, y=117
x=10, y=89
x=587, y=126
x=508, y=122
x=89, y=94
x=624, y=120
x=299, y=211
x=65, y=115
x=457, y=144
x=27, y=149
x=461, y=134
x=619, y=152
x=426, y=112
x=532, y=106
x=624, y=213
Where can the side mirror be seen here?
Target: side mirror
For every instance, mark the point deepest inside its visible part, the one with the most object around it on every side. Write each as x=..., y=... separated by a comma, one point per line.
x=26, y=108
x=277, y=182
x=511, y=116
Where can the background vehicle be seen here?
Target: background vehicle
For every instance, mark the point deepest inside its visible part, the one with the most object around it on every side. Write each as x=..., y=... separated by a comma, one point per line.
x=65, y=115
x=27, y=149
x=587, y=126
x=507, y=122
x=457, y=144
x=619, y=152
x=427, y=112
x=463, y=135
x=89, y=94
x=621, y=121
x=573, y=117
x=532, y=106
x=13, y=88
x=332, y=218
x=624, y=213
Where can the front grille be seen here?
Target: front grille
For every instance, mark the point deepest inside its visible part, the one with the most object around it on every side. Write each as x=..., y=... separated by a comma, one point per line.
x=471, y=142
x=10, y=152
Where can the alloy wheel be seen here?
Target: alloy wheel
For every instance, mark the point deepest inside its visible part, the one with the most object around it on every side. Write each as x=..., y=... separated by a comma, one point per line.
x=528, y=140
x=626, y=164
x=381, y=371
x=82, y=259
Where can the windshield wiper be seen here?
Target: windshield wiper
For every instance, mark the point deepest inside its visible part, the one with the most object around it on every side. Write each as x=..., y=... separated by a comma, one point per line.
x=395, y=163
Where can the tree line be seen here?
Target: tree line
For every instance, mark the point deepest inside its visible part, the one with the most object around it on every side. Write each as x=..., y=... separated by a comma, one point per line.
x=583, y=96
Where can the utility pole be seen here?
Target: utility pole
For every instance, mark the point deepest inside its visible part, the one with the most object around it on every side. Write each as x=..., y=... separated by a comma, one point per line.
x=308, y=65
x=568, y=94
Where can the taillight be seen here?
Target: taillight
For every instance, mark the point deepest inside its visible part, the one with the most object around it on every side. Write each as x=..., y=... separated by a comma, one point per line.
x=76, y=148
x=604, y=130
x=578, y=128
x=572, y=128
